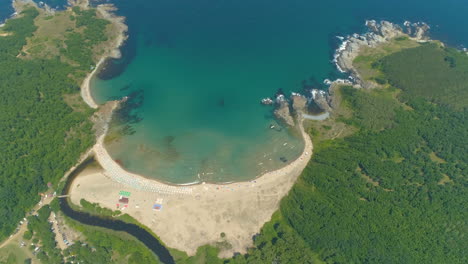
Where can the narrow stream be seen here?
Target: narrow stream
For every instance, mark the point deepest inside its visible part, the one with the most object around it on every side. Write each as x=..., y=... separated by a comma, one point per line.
x=117, y=225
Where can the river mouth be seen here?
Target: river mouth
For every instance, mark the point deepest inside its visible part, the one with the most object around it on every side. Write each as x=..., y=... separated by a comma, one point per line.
x=117, y=225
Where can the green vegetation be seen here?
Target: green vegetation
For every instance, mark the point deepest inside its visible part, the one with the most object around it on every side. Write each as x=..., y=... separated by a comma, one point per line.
x=365, y=62
x=205, y=254
x=365, y=106
x=105, y=246
x=392, y=192
x=94, y=208
x=277, y=243
x=40, y=227
x=79, y=45
x=97, y=210
x=42, y=136
x=430, y=71
x=13, y=254
x=395, y=190
x=76, y=37
x=407, y=216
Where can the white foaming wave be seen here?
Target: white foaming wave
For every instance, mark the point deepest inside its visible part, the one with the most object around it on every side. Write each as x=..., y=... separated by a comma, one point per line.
x=338, y=52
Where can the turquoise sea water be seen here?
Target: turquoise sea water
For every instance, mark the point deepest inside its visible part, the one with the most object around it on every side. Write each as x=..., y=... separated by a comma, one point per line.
x=197, y=70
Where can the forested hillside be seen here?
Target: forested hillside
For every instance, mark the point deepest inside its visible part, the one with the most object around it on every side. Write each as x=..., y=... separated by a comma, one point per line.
x=432, y=71
x=395, y=191
x=41, y=135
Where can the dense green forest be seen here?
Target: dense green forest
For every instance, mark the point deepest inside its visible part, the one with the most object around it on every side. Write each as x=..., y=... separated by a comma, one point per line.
x=432, y=71
x=79, y=46
x=103, y=246
x=95, y=245
x=39, y=231
x=378, y=197
x=393, y=192
x=41, y=135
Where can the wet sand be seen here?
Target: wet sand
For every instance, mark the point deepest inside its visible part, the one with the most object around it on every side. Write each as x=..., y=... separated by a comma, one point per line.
x=193, y=216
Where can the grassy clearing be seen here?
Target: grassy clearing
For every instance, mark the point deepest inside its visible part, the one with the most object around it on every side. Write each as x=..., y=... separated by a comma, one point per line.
x=13, y=253
x=333, y=127
x=79, y=37
x=75, y=102
x=50, y=36
x=436, y=158
x=367, y=56
x=445, y=179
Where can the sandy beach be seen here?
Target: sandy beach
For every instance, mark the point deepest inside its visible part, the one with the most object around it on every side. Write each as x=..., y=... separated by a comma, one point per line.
x=192, y=216
x=85, y=87
x=118, y=24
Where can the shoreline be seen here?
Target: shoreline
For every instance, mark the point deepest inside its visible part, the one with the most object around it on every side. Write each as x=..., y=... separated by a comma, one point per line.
x=117, y=173
x=196, y=215
x=378, y=33
x=86, y=89
x=100, y=149
x=237, y=209
x=105, y=11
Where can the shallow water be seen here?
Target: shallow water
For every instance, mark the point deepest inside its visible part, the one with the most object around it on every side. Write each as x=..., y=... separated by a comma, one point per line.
x=201, y=68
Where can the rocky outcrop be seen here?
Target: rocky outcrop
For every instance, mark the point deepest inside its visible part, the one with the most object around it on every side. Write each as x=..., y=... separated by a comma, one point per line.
x=267, y=101
x=103, y=116
x=282, y=111
x=287, y=109
x=326, y=100
x=299, y=103
x=378, y=33
x=321, y=99
x=417, y=30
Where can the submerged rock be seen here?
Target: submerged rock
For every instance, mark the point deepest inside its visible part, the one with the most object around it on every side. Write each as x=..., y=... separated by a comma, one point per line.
x=267, y=101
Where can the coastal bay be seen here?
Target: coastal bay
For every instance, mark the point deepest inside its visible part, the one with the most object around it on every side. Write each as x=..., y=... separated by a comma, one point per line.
x=388, y=161
x=211, y=198
x=237, y=209
x=194, y=112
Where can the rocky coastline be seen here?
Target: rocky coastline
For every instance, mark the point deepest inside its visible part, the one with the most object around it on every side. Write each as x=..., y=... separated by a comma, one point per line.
x=377, y=34
x=290, y=110
x=106, y=11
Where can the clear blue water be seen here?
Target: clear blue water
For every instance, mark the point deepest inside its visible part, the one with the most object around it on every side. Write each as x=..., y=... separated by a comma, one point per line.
x=6, y=10
x=200, y=68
